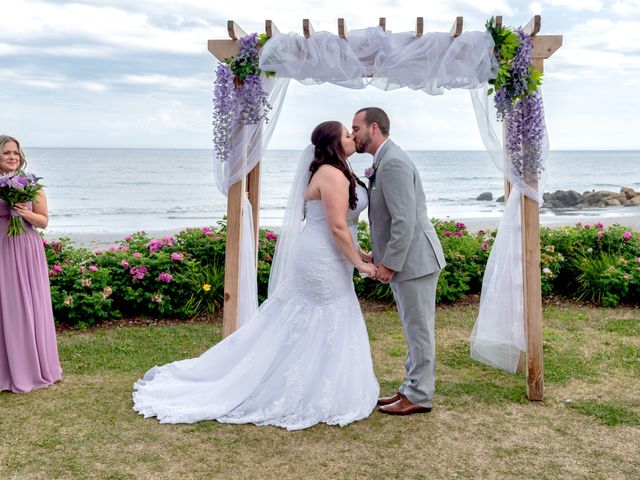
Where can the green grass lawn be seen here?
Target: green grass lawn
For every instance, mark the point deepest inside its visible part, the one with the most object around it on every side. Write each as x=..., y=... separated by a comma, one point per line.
x=482, y=425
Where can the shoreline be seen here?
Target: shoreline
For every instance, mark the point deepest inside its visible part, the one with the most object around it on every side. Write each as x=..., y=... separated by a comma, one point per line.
x=102, y=240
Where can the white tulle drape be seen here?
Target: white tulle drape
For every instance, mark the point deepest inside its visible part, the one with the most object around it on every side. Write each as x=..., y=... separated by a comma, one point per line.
x=250, y=142
x=498, y=336
x=431, y=63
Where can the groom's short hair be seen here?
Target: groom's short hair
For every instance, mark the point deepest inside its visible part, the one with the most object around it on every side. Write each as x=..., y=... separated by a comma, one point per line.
x=376, y=115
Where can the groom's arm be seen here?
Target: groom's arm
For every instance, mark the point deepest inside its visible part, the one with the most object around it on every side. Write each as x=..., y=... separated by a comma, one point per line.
x=399, y=195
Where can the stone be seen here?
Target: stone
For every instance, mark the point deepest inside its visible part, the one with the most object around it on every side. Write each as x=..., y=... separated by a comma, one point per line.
x=485, y=196
x=629, y=193
x=500, y=199
x=635, y=201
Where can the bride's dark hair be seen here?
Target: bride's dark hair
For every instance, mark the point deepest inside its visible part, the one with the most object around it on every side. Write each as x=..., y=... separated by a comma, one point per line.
x=327, y=140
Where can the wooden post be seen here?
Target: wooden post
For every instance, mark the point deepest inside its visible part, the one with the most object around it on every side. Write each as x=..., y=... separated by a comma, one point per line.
x=222, y=49
x=542, y=48
x=235, y=201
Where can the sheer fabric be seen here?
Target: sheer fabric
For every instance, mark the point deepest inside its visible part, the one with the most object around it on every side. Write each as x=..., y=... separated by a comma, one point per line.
x=498, y=335
x=431, y=63
x=292, y=225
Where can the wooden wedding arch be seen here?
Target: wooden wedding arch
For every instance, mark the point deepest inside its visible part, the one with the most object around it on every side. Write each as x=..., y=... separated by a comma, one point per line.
x=543, y=47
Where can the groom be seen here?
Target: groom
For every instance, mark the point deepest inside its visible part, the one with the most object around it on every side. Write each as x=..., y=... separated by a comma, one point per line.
x=407, y=253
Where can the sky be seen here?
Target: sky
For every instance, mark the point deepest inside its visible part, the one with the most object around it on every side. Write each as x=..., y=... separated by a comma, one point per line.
x=137, y=74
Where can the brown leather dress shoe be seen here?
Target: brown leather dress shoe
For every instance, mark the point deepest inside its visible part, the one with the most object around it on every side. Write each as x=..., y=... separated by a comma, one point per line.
x=389, y=400
x=403, y=406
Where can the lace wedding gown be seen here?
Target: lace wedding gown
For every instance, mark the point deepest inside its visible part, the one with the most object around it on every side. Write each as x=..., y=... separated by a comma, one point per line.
x=302, y=360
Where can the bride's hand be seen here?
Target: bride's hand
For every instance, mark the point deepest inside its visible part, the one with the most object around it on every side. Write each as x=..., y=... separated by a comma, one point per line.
x=366, y=257
x=366, y=269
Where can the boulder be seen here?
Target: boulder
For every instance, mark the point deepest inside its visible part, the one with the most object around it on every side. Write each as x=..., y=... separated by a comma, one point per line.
x=635, y=201
x=562, y=199
x=629, y=193
x=485, y=196
x=612, y=202
x=500, y=199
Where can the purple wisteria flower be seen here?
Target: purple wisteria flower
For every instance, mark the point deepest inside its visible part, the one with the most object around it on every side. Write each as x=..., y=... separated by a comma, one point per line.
x=224, y=108
x=525, y=133
x=520, y=107
x=239, y=96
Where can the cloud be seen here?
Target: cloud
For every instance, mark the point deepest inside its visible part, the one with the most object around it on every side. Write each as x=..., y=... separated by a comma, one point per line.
x=627, y=7
x=168, y=82
x=177, y=116
x=84, y=30
x=577, y=5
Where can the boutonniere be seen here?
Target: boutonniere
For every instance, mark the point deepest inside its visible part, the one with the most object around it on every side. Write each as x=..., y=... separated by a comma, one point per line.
x=370, y=172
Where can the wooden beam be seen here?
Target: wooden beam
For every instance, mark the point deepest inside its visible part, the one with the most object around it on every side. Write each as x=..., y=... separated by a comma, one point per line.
x=234, y=31
x=498, y=19
x=544, y=46
x=456, y=30
x=307, y=28
x=235, y=199
x=383, y=23
x=222, y=49
x=419, y=26
x=270, y=28
x=533, y=27
x=253, y=190
x=342, y=29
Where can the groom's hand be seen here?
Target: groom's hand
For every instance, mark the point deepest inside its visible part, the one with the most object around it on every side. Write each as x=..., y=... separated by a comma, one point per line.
x=383, y=274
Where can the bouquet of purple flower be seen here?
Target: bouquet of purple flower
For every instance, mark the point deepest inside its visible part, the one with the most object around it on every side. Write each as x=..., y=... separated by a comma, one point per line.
x=18, y=187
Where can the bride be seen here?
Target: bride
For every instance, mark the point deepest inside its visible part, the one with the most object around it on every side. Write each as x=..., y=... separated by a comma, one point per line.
x=304, y=358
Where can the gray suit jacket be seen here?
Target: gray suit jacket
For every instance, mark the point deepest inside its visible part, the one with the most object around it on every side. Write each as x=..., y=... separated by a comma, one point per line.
x=402, y=236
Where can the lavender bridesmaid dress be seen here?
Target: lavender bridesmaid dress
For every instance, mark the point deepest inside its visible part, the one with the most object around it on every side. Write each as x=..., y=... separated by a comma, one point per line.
x=28, y=350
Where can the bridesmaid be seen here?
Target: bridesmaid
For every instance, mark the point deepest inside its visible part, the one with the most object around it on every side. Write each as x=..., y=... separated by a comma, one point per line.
x=28, y=350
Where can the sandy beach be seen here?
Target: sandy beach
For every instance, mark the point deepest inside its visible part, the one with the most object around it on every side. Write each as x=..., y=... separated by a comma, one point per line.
x=627, y=216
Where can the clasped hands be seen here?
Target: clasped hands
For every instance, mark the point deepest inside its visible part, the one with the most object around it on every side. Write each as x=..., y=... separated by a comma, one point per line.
x=375, y=271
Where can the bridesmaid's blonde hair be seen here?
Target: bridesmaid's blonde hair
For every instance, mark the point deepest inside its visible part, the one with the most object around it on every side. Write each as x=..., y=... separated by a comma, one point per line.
x=23, y=160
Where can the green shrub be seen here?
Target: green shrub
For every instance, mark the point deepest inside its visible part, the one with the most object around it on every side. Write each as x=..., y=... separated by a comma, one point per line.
x=166, y=277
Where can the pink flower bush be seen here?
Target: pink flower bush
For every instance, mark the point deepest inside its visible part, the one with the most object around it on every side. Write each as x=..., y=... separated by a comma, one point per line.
x=458, y=234
x=93, y=268
x=177, y=257
x=155, y=245
x=587, y=226
x=135, y=254
x=447, y=233
x=165, y=277
x=138, y=273
x=124, y=264
x=626, y=236
x=271, y=236
x=460, y=225
x=599, y=225
x=127, y=238
x=55, y=270
x=206, y=231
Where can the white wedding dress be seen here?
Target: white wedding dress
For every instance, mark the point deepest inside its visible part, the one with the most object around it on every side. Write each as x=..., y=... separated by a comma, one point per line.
x=302, y=360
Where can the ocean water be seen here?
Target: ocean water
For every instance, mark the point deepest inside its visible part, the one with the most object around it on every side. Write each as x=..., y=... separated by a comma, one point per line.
x=126, y=190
